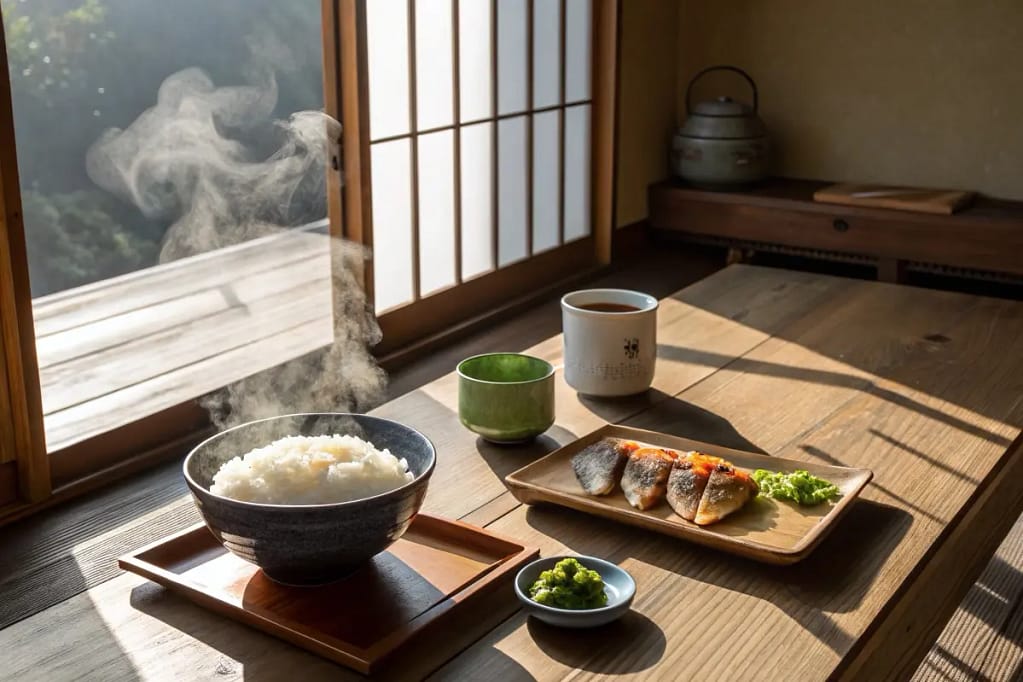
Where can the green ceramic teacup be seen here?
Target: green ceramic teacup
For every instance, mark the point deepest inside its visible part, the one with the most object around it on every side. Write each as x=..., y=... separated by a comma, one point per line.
x=506, y=397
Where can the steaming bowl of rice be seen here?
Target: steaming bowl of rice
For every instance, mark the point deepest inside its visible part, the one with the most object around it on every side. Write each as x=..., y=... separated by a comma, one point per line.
x=310, y=498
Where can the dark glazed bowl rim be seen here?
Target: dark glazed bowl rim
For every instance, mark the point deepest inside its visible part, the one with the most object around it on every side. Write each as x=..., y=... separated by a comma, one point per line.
x=396, y=492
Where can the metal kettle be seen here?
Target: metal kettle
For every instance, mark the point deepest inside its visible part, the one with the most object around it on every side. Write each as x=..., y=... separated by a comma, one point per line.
x=723, y=143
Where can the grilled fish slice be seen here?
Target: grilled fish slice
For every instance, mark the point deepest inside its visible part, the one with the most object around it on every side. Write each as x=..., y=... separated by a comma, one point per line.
x=645, y=479
x=599, y=466
x=727, y=491
x=688, y=480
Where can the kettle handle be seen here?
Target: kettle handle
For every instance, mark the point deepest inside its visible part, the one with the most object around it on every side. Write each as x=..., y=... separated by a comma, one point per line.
x=721, y=67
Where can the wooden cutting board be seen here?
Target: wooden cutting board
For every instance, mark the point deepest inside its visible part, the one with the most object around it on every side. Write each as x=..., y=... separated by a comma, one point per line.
x=938, y=201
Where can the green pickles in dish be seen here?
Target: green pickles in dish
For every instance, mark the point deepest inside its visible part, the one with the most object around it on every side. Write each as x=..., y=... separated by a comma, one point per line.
x=569, y=585
x=800, y=486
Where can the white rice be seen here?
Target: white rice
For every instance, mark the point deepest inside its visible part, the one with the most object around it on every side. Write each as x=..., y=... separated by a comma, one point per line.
x=311, y=470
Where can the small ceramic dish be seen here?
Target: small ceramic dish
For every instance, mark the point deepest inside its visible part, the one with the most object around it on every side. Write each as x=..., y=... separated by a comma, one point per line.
x=618, y=584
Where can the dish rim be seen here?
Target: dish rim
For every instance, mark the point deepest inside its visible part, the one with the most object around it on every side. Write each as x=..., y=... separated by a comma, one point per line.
x=582, y=559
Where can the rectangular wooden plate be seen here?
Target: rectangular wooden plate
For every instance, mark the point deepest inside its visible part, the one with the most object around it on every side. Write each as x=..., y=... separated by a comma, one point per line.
x=768, y=530
x=436, y=573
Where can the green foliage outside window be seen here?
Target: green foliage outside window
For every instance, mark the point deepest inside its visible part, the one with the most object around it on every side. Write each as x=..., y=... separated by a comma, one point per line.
x=80, y=67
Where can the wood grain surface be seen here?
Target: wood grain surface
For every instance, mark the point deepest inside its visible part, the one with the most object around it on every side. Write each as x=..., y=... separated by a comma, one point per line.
x=902, y=381
x=925, y=388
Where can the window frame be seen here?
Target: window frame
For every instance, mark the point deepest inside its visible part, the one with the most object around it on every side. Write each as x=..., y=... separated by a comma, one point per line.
x=42, y=478
x=21, y=412
x=502, y=287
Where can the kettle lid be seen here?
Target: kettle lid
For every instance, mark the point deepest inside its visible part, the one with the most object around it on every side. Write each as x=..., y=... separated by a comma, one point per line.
x=723, y=118
x=722, y=106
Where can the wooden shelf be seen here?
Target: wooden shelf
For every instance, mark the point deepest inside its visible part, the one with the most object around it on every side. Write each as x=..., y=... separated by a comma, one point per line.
x=987, y=236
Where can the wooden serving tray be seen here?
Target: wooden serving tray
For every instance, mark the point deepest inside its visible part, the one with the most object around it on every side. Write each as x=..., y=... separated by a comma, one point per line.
x=768, y=530
x=440, y=574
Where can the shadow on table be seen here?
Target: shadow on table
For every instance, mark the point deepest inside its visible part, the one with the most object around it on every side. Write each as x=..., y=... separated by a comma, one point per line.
x=841, y=380
x=504, y=459
x=60, y=552
x=668, y=414
x=937, y=343
x=500, y=667
x=833, y=579
x=258, y=657
x=49, y=559
x=825, y=457
x=629, y=645
x=617, y=409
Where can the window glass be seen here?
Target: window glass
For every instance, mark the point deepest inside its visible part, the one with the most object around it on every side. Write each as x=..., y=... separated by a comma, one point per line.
x=165, y=152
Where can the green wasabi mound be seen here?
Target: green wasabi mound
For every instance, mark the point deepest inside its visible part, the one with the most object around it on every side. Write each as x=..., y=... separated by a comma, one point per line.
x=799, y=486
x=569, y=585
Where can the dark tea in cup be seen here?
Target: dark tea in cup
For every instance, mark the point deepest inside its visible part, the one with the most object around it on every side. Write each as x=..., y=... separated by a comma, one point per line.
x=609, y=307
x=610, y=341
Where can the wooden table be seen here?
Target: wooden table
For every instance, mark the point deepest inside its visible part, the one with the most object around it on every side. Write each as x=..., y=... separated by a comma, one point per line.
x=924, y=387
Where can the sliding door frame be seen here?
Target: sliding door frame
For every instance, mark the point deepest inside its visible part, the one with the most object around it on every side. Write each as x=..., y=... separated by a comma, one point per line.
x=31, y=479
x=433, y=314
x=21, y=411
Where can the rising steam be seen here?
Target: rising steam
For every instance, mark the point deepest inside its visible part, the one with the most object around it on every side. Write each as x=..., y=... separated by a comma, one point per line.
x=183, y=161
x=343, y=377
x=198, y=161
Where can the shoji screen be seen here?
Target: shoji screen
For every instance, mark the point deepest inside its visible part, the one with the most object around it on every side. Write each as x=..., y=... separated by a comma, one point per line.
x=480, y=137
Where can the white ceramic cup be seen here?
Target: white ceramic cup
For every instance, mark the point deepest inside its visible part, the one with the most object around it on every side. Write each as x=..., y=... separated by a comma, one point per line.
x=609, y=353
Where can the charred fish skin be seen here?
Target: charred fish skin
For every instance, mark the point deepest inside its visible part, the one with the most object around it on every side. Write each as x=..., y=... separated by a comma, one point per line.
x=599, y=466
x=685, y=489
x=645, y=479
x=727, y=492
x=688, y=481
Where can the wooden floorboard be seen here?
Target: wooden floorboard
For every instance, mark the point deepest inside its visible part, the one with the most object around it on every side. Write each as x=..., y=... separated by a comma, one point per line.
x=58, y=553
x=117, y=295
x=975, y=644
x=117, y=351
x=107, y=413
x=204, y=302
x=174, y=348
x=1004, y=660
